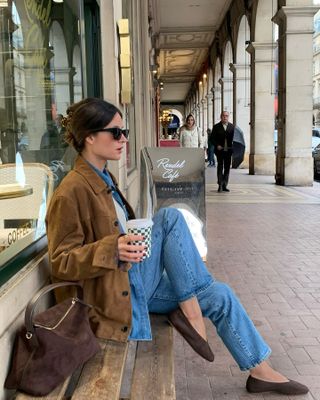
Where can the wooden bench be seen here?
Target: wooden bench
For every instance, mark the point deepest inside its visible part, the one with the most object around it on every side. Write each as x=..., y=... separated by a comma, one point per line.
x=125, y=371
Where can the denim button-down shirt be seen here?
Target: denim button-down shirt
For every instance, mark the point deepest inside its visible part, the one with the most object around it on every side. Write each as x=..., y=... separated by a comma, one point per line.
x=141, y=329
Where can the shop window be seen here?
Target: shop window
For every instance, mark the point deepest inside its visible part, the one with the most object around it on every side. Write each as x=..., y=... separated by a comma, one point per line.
x=40, y=76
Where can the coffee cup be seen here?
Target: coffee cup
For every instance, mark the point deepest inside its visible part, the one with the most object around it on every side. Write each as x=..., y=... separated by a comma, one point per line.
x=143, y=227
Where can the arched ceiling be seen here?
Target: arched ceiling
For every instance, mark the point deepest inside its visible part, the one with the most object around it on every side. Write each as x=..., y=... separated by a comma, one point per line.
x=184, y=31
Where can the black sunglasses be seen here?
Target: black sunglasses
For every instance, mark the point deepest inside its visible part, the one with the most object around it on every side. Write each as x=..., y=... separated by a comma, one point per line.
x=116, y=132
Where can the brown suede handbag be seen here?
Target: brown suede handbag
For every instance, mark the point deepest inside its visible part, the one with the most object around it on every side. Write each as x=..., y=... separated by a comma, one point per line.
x=52, y=344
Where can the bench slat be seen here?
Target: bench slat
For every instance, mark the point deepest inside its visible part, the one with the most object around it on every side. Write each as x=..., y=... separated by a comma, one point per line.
x=56, y=394
x=101, y=375
x=153, y=376
x=128, y=371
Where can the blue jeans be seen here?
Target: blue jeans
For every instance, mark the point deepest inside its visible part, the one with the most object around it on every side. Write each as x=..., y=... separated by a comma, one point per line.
x=211, y=154
x=175, y=272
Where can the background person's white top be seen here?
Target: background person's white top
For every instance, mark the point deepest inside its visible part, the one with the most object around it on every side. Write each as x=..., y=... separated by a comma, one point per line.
x=192, y=137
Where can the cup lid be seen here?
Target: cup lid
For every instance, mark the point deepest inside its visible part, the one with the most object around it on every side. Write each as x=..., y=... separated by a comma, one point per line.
x=139, y=223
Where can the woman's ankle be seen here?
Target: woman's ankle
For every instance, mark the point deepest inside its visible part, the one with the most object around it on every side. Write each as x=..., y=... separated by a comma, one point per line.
x=192, y=311
x=265, y=372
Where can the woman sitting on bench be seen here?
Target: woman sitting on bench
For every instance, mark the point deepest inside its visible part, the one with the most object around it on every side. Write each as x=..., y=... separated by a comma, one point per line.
x=87, y=242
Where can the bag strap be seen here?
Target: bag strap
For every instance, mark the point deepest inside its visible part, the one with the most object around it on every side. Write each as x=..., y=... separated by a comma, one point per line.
x=31, y=307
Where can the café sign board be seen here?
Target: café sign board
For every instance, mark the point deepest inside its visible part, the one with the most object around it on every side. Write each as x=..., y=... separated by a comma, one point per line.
x=175, y=177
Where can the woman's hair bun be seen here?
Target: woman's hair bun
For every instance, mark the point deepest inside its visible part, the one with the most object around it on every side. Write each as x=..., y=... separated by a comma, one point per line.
x=67, y=125
x=85, y=117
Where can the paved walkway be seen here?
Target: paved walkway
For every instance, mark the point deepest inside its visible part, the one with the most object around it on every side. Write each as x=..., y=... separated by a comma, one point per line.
x=263, y=240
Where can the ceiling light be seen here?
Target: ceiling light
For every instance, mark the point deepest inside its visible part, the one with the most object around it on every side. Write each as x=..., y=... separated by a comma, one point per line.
x=204, y=76
x=154, y=68
x=58, y=1
x=200, y=83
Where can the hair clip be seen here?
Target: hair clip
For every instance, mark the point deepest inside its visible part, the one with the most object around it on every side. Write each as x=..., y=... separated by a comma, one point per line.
x=64, y=121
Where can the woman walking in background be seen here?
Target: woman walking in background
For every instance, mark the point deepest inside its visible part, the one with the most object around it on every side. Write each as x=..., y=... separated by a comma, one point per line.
x=190, y=134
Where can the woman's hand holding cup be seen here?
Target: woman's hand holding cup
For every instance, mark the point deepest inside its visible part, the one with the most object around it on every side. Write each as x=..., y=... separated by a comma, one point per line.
x=129, y=251
x=136, y=245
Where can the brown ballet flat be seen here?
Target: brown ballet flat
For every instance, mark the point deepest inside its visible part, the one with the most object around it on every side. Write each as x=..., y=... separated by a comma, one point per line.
x=179, y=321
x=290, y=388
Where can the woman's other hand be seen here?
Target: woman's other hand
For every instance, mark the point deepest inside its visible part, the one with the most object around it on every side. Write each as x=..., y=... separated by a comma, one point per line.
x=128, y=250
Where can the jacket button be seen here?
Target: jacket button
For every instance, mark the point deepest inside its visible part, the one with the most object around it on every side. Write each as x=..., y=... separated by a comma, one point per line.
x=109, y=191
x=125, y=293
x=116, y=223
x=124, y=329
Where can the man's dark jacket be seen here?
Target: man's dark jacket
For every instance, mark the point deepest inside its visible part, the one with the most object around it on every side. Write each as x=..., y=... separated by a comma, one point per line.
x=219, y=134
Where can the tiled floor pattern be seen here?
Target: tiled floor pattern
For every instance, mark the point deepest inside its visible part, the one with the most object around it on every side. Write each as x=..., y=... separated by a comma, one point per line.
x=259, y=193
x=264, y=241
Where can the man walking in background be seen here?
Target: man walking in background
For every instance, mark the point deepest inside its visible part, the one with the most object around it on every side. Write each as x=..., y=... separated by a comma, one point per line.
x=222, y=138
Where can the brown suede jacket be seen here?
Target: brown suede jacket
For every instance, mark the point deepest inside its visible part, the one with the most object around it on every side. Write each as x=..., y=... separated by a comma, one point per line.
x=83, y=232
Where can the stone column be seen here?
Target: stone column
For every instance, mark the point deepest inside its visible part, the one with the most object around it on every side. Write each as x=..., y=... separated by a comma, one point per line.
x=198, y=114
x=62, y=88
x=109, y=14
x=294, y=156
x=204, y=115
x=241, y=84
x=217, y=103
x=35, y=89
x=227, y=96
x=209, y=99
x=262, y=157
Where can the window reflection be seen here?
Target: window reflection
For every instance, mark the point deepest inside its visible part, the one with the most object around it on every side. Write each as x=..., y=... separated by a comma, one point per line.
x=40, y=76
x=77, y=79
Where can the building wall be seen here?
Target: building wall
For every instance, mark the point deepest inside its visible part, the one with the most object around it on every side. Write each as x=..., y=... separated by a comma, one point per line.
x=316, y=71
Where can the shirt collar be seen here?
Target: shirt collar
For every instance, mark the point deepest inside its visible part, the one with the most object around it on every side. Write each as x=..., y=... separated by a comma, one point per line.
x=103, y=174
x=94, y=179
